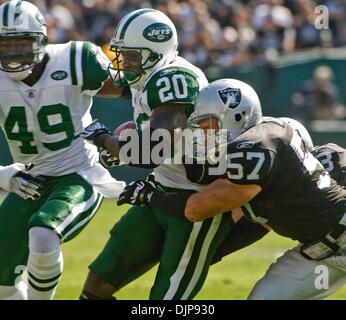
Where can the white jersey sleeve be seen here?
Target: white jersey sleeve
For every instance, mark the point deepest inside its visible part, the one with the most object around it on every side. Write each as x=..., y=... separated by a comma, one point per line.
x=7, y=172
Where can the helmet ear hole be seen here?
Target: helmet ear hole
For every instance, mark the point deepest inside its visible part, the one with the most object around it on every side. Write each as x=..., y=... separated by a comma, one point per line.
x=238, y=117
x=155, y=56
x=44, y=40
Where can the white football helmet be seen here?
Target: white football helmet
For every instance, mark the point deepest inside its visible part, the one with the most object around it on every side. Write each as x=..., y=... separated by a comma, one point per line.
x=21, y=20
x=149, y=32
x=304, y=134
x=234, y=104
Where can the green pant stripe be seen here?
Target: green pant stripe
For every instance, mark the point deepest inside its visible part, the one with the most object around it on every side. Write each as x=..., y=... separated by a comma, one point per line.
x=79, y=220
x=75, y=212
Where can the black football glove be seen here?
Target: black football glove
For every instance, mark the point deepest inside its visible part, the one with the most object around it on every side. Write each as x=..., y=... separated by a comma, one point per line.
x=92, y=131
x=138, y=192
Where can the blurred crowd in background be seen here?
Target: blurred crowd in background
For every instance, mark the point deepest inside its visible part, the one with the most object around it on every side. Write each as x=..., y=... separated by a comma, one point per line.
x=222, y=33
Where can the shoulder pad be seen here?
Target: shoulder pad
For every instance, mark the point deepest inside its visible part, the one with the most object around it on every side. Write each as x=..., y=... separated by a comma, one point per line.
x=172, y=84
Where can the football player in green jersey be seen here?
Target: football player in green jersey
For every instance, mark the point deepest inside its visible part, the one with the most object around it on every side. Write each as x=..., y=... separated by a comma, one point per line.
x=164, y=87
x=55, y=183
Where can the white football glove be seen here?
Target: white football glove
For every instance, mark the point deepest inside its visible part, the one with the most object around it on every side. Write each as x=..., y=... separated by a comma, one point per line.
x=108, y=160
x=26, y=186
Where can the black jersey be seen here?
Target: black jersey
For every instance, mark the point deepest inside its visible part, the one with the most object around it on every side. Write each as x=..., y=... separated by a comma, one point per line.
x=333, y=158
x=298, y=198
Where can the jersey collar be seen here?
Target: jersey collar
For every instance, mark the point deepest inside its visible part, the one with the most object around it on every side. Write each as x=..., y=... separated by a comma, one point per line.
x=39, y=74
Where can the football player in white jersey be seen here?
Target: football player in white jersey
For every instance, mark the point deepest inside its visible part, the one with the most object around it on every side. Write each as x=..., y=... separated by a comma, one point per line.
x=55, y=183
x=163, y=87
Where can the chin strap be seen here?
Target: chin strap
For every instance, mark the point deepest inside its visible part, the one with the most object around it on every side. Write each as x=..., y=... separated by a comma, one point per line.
x=18, y=76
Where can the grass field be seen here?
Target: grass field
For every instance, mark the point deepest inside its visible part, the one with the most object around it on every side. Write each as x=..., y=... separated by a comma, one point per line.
x=232, y=279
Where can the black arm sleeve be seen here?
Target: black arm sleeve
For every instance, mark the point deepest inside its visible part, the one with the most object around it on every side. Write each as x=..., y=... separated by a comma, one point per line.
x=171, y=203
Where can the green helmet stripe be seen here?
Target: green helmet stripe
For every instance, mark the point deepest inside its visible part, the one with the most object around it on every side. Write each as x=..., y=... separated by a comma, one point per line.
x=5, y=14
x=17, y=9
x=134, y=16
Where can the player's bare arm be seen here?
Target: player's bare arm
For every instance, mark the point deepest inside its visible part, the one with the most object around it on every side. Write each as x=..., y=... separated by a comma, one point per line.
x=169, y=117
x=220, y=196
x=109, y=91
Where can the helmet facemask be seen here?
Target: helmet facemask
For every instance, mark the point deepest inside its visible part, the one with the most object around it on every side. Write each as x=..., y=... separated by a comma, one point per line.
x=208, y=144
x=23, y=37
x=146, y=61
x=20, y=62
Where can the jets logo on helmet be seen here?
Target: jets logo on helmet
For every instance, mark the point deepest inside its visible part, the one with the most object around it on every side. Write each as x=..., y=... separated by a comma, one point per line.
x=158, y=32
x=150, y=34
x=21, y=22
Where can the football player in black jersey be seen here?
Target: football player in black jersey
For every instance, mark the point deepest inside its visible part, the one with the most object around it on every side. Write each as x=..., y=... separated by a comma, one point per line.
x=276, y=181
x=244, y=232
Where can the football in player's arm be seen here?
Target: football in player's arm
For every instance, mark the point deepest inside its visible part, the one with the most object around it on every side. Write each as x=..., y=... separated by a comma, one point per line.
x=55, y=183
x=277, y=182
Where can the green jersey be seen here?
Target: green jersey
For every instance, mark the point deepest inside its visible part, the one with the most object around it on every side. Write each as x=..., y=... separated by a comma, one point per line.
x=177, y=82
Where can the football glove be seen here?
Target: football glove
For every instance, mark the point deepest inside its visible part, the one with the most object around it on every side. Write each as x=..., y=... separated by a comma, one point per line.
x=92, y=131
x=138, y=192
x=108, y=160
x=26, y=186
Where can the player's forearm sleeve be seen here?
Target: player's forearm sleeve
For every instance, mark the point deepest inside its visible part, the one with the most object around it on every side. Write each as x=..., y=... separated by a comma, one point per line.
x=171, y=203
x=7, y=172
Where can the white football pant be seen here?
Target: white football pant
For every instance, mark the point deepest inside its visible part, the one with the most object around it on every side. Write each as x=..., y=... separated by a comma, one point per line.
x=293, y=277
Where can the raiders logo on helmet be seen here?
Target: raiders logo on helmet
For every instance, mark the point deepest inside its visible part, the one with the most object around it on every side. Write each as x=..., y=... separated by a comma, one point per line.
x=230, y=97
